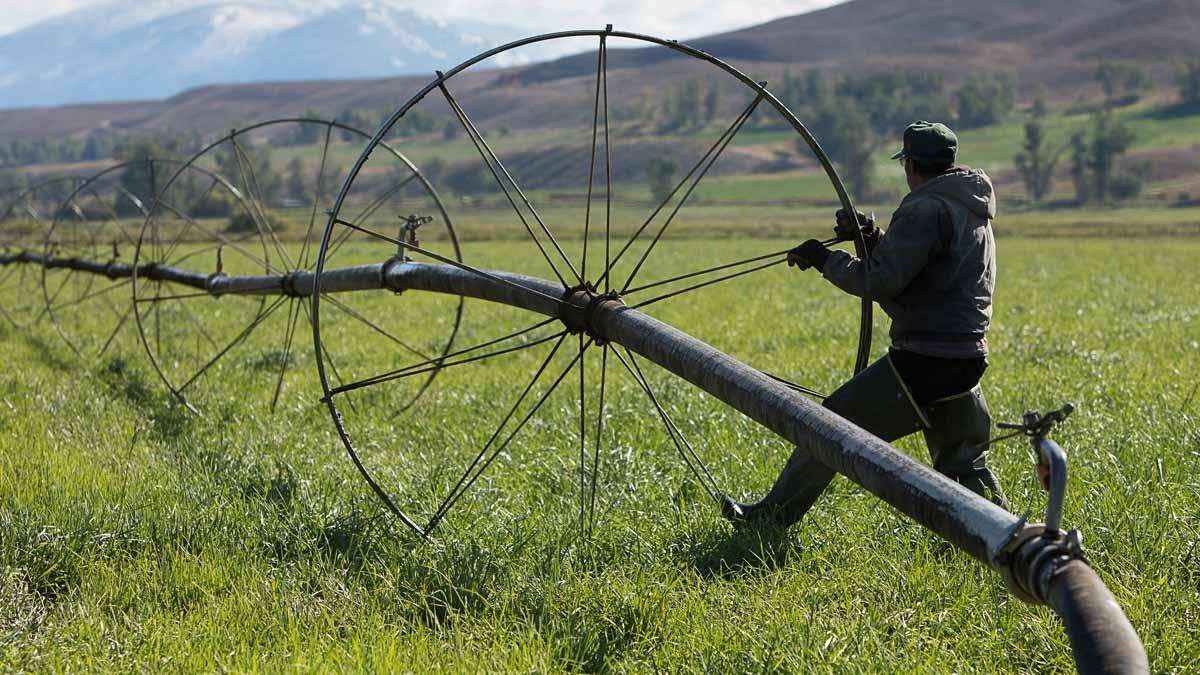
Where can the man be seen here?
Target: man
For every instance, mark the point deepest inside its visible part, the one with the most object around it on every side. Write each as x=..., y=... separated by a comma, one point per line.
x=933, y=273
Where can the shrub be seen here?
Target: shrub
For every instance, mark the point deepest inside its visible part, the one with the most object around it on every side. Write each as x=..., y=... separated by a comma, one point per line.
x=242, y=222
x=1124, y=186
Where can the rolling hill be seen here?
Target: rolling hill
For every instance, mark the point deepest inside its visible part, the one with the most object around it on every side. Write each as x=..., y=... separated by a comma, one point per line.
x=1053, y=44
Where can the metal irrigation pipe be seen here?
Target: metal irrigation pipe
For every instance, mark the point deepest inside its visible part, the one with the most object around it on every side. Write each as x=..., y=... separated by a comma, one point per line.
x=1039, y=565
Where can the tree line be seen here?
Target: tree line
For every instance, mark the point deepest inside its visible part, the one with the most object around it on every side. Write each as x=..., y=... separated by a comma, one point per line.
x=1094, y=154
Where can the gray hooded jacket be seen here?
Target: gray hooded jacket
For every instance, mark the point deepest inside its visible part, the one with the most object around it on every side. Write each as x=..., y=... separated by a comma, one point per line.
x=934, y=269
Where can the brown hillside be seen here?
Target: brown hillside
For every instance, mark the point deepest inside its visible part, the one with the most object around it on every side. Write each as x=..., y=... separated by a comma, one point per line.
x=1053, y=43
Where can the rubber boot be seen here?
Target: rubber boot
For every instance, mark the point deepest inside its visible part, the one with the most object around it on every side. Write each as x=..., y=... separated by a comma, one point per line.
x=876, y=400
x=958, y=442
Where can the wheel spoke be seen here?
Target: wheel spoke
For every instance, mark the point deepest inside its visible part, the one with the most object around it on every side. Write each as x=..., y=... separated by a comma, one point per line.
x=318, y=193
x=111, y=207
x=694, y=463
x=8, y=316
x=254, y=193
x=496, y=168
x=438, y=361
x=466, y=476
x=797, y=387
x=341, y=382
x=198, y=324
x=710, y=282
x=225, y=241
x=448, y=261
x=209, y=249
x=607, y=179
x=706, y=161
x=203, y=195
x=186, y=215
x=582, y=439
x=438, y=364
x=715, y=155
x=599, y=435
x=587, y=209
x=94, y=294
x=262, y=316
x=367, y=212
x=157, y=321
x=58, y=291
x=289, y=332
x=709, y=270
x=351, y=312
x=468, y=480
x=112, y=336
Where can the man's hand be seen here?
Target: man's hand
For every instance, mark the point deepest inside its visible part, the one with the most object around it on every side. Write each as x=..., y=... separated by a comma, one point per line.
x=811, y=253
x=847, y=228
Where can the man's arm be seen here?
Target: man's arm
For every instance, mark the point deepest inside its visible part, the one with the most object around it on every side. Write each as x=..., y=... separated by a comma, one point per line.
x=911, y=240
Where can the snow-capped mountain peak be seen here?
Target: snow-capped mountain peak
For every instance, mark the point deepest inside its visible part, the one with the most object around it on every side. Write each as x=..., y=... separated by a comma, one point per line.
x=156, y=48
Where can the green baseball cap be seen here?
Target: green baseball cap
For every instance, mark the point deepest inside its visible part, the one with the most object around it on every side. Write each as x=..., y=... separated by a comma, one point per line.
x=928, y=141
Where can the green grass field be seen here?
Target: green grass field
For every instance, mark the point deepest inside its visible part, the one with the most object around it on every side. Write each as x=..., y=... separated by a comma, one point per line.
x=137, y=536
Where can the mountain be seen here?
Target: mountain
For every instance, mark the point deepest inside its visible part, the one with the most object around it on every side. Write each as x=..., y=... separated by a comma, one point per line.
x=151, y=50
x=1056, y=45
x=1048, y=43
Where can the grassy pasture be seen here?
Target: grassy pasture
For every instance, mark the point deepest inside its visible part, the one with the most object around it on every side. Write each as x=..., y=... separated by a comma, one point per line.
x=1159, y=128
x=138, y=536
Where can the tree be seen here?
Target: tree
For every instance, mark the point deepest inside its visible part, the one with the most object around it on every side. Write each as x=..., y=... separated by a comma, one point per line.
x=249, y=167
x=1036, y=162
x=296, y=189
x=983, y=100
x=1123, y=83
x=1110, y=140
x=1079, y=166
x=434, y=171
x=660, y=174
x=712, y=102
x=355, y=119
x=846, y=135
x=816, y=88
x=1095, y=155
x=414, y=122
x=1039, y=108
x=12, y=182
x=685, y=108
x=451, y=129
x=141, y=179
x=91, y=149
x=305, y=134
x=1187, y=78
x=893, y=99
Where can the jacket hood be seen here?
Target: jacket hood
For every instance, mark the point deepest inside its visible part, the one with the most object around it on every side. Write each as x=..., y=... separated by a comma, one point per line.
x=969, y=187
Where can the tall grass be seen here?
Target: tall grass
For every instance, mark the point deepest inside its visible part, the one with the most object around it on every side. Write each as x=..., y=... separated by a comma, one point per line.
x=137, y=536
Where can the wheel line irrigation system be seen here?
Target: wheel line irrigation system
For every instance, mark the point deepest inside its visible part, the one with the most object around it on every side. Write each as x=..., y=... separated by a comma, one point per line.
x=1040, y=564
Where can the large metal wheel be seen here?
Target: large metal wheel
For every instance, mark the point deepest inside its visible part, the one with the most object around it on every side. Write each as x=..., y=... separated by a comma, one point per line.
x=603, y=251
x=98, y=221
x=24, y=221
x=230, y=210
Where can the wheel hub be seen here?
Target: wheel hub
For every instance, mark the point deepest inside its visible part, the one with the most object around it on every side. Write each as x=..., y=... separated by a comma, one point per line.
x=579, y=307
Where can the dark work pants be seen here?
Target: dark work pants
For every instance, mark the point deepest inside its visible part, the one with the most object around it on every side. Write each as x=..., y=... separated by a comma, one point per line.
x=897, y=395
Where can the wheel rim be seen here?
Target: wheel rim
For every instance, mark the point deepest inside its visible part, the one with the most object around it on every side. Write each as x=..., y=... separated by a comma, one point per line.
x=549, y=249
x=252, y=243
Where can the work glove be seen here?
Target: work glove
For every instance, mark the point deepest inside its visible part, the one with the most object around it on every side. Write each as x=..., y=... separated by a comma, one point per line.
x=811, y=253
x=846, y=227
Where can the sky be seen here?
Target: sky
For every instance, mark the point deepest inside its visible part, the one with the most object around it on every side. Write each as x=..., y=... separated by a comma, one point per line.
x=670, y=18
